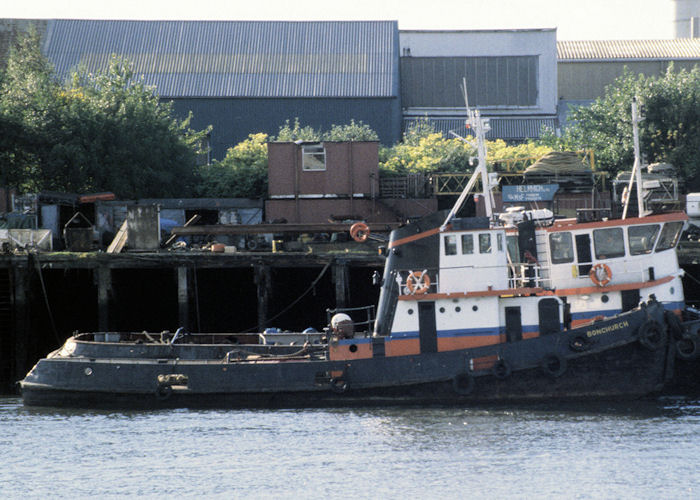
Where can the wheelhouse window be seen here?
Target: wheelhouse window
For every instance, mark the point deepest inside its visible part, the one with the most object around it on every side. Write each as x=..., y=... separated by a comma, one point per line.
x=561, y=247
x=499, y=242
x=609, y=243
x=313, y=157
x=641, y=239
x=450, y=241
x=669, y=236
x=485, y=243
x=467, y=243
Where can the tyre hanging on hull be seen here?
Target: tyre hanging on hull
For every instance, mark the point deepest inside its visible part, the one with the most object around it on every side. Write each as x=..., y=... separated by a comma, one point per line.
x=553, y=365
x=652, y=335
x=463, y=384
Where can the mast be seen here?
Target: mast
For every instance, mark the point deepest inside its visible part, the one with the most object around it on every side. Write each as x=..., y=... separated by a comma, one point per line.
x=480, y=126
x=637, y=168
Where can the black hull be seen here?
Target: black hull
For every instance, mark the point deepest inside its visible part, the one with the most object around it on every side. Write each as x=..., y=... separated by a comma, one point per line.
x=630, y=371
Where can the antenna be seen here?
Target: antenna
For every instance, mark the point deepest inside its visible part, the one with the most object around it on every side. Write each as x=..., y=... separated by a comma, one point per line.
x=480, y=126
x=637, y=168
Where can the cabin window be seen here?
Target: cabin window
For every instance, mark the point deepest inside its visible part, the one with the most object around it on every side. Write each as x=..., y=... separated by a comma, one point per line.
x=450, y=244
x=513, y=251
x=485, y=243
x=609, y=243
x=669, y=235
x=499, y=242
x=561, y=247
x=467, y=243
x=313, y=157
x=641, y=239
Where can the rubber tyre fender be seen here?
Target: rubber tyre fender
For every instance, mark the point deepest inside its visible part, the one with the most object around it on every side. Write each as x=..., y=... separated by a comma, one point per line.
x=553, y=365
x=463, y=384
x=163, y=392
x=652, y=335
x=674, y=325
x=339, y=385
x=501, y=369
x=687, y=348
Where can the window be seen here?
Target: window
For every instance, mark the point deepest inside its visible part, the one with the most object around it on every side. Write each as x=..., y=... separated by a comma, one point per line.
x=561, y=247
x=513, y=250
x=499, y=242
x=313, y=157
x=669, y=236
x=609, y=243
x=467, y=243
x=450, y=244
x=641, y=239
x=485, y=243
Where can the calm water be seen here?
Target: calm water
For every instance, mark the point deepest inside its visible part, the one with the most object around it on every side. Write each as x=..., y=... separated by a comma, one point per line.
x=636, y=450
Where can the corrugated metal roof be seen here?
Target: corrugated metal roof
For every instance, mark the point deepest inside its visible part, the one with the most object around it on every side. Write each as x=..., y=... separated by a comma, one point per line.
x=238, y=58
x=603, y=50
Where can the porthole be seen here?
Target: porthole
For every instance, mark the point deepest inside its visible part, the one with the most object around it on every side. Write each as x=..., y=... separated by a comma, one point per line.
x=458, y=309
x=410, y=311
x=442, y=309
x=475, y=308
x=88, y=371
x=353, y=348
x=604, y=299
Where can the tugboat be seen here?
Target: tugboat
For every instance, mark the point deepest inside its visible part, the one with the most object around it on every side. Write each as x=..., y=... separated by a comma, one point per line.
x=519, y=307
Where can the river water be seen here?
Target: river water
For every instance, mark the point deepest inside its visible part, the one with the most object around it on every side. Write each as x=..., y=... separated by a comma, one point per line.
x=647, y=449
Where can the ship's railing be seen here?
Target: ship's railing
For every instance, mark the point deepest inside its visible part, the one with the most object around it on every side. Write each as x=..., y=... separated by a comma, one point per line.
x=367, y=312
x=525, y=275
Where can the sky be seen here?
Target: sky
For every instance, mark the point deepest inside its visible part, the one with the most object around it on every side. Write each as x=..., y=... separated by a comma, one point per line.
x=574, y=20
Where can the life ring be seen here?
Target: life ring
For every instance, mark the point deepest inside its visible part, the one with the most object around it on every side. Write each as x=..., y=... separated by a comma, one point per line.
x=338, y=385
x=687, y=348
x=553, y=365
x=359, y=231
x=652, y=335
x=595, y=278
x=463, y=384
x=501, y=369
x=418, y=282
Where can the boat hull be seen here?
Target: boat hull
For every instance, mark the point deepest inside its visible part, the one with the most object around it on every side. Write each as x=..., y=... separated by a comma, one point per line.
x=614, y=358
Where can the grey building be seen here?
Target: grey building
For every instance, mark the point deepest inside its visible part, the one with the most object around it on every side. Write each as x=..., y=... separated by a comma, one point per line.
x=243, y=77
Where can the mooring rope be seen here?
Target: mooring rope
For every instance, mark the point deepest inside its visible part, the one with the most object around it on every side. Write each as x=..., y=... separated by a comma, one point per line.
x=31, y=257
x=311, y=287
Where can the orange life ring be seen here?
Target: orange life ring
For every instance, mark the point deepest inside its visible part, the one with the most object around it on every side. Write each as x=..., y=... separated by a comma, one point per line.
x=595, y=278
x=418, y=282
x=359, y=231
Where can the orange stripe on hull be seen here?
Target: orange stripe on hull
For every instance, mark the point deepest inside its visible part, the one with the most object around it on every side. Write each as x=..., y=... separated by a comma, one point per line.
x=343, y=351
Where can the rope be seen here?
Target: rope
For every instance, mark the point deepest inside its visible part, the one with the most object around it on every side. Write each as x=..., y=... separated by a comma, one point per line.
x=311, y=287
x=33, y=258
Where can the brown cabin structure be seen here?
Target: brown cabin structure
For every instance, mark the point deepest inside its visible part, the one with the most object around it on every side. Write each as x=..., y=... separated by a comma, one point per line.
x=311, y=182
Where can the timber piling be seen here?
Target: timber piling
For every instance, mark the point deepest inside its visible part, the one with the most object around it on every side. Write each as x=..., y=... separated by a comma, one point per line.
x=45, y=297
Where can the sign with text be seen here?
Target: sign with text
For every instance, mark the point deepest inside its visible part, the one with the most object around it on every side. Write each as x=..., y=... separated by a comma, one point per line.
x=529, y=192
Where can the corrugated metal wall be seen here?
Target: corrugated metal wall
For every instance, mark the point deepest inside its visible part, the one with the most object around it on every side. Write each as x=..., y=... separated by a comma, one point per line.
x=492, y=81
x=234, y=119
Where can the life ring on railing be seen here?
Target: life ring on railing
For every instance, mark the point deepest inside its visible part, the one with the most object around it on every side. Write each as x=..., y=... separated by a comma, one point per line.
x=418, y=282
x=598, y=270
x=359, y=231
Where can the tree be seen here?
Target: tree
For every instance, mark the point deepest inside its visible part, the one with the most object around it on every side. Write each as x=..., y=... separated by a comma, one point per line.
x=351, y=132
x=670, y=133
x=241, y=174
x=291, y=133
x=104, y=132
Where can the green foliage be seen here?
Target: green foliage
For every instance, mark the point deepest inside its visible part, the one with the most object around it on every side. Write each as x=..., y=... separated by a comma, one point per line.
x=506, y=157
x=425, y=151
x=104, y=132
x=241, y=174
x=670, y=132
x=291, y=133
x=351, y=132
